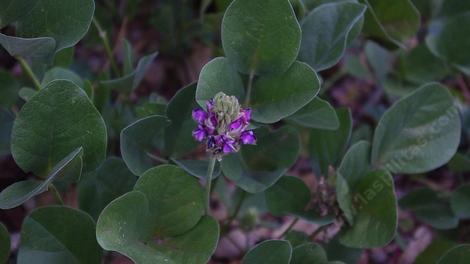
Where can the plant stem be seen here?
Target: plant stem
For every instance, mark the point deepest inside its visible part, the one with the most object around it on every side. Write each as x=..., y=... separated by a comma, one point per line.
x=27, y=70
x=289, y=228
x=157, y=158
x=249, y=86
x=319, y=230
x=104, y=38
x=56, y=194
x=237, y=209
x=210, y=171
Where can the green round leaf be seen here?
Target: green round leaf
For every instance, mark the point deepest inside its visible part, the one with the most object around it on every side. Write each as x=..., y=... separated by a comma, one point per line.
x=317, y=114
x=392, y=21
x=375, y=215
x=310, y=253
x=326, y=31
x=20, y=192
x=132, y=80
x=253, y=31
x=327, y=147
x=47, y=237
x=218, y=75
x=460, y=201
x=198, y=168
x=139, y=140
x=457, y=255
x=337, y=252
x=125, y=226
x=269, y=251
x=290, y=195
x=175, y=199
x=275, y=97
x=53, y=123
x=254, y=171
x=35, y=49
x=4, y=244
x=448, y=40
x=430, y=208
x=58, y=73
x=66, y=22
x=435, y=250
x=98, y=188
x=178, y=135
x=418, y=133
x=12, y=10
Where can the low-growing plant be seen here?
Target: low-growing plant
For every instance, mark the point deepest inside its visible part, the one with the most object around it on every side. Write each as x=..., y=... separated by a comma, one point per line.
x=171, y=181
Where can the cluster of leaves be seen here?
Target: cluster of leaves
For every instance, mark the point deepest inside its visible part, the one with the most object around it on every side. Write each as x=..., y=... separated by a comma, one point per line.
x=149, y=204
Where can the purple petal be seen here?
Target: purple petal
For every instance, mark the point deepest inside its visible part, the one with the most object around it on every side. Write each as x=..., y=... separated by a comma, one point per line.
x=229, y=148
x=210, y=105
x=248, y=138
x=247, y=114
x=237, y=124
x=199, y=134
x=199, y=115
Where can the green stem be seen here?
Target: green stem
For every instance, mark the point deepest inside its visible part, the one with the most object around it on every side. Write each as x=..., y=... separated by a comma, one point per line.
x=157, y=158
x=210, y=172
x=289, y=228
x=249, y=86
x=319, y=230
x=104, y=38
x=56, y=194
x=29, y=72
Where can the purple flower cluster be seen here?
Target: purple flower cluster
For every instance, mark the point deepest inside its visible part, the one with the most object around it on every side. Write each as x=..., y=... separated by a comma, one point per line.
x=224, y=125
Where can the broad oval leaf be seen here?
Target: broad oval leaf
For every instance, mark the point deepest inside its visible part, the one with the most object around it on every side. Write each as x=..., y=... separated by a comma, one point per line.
x=98, y=188
x=216, y=76
x=447, y=40
x=254, y=171
x=198, y=168
x=19, y=192
x=457, y=255
x=418, y=133
x=178, y=135
x=53, y=123
x=139, y=140
x=317, y=114
x=12, y=10
x=47, y=237
x=176, y=199
x=326, y=33
x=460, y=201
x=275, y=97
x=430, y=208
x=66, y=22
x=392, y=21
x=4, y=244
x=125, y=226
x=326, y=147
x=310, y=253
x=39, y=49
x=132, y=80
x=375, y=212
x=253, y=31
x=269, y=251
x=290, y=195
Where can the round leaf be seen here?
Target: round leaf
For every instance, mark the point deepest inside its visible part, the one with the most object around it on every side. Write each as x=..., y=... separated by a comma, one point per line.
x=98, y=188
x=456, y=255
x=20, y=192
x=66, y=22
x=139, y=139
x=12, y=10
x=198, y=168
x=176, y=199
x=254, y=171
x=47, y=237
x=269, y=251
x=125, y=226
x=460, y=201
x=419, y=133
x=178, y=135
x=375, y=216
x=253, y=31
x=275, y=97
x=53, y=123
x=317, y=114
x=36, y=49
x=218, y=76
x=326, y=31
